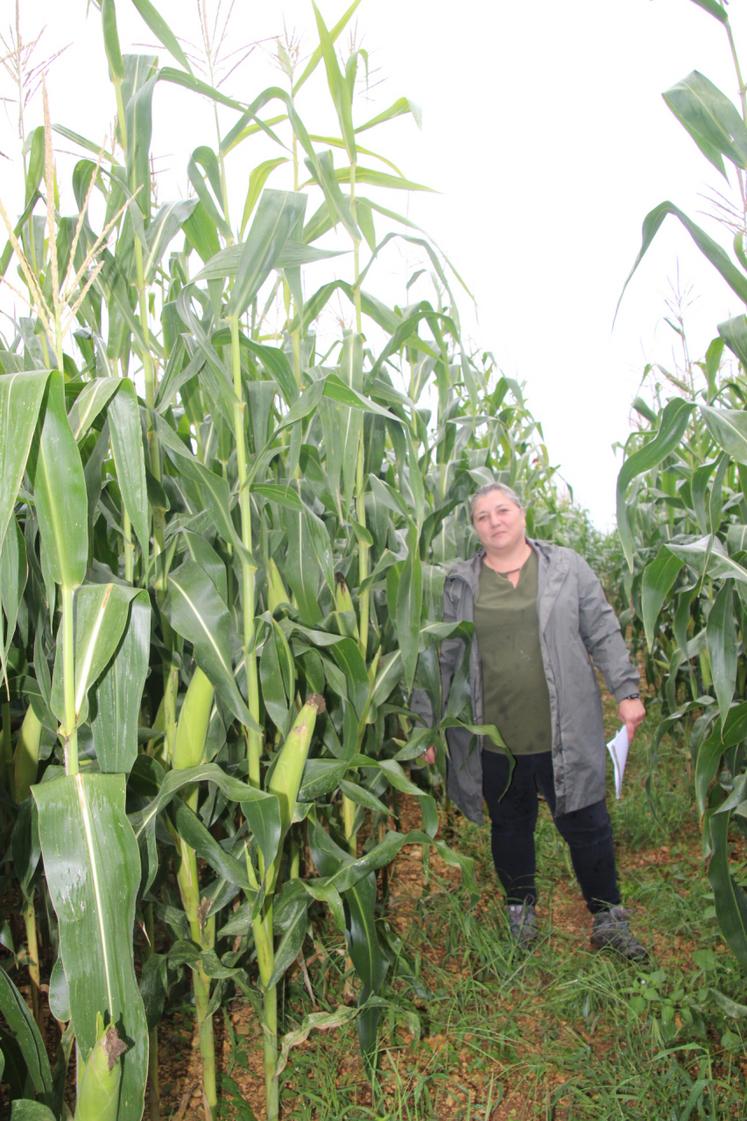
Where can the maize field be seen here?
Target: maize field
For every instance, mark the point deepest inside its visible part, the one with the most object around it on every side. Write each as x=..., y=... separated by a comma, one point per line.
x=232, y=476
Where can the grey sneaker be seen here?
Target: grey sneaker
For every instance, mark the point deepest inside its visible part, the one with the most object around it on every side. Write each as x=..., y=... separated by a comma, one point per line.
x=522, y=923
x=611, y=930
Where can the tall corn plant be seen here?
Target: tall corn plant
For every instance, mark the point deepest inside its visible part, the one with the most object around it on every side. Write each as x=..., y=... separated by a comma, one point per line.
x=684, y=481
x=218, y=508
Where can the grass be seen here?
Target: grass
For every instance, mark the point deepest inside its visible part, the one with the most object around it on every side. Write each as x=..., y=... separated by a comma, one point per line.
x=477, y=1031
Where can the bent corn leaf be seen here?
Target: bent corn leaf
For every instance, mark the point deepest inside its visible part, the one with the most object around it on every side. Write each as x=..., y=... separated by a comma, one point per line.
x=710, y=118
x=710, y=248
x=729, y=429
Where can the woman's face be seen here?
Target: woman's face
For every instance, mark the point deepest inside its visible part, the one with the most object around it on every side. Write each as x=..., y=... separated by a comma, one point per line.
x=499, y=523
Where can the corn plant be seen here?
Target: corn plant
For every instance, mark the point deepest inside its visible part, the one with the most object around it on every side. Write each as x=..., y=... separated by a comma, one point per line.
x=223, y=525
x=682, y=501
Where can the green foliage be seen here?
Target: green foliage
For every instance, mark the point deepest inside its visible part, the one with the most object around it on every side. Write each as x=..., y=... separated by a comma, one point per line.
x=682, y=509
x=217, y=503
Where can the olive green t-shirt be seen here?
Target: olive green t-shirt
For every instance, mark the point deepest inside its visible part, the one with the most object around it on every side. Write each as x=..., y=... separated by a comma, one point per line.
x=515, y=696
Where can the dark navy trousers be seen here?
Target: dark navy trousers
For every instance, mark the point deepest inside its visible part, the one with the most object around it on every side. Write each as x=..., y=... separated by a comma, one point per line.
x=512, y=800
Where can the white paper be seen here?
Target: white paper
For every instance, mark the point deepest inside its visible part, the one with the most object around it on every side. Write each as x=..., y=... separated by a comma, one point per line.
x=618, y=749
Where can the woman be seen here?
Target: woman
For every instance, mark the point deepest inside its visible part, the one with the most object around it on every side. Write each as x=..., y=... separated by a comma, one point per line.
x=541, y=623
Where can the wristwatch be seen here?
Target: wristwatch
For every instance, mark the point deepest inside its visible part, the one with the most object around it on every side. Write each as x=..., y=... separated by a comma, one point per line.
x=631, y=697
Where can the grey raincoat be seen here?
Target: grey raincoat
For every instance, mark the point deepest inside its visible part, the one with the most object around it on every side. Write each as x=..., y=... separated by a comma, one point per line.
x=578, y=631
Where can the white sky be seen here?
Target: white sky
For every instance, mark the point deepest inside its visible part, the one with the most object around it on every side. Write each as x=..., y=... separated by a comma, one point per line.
x=547, y=138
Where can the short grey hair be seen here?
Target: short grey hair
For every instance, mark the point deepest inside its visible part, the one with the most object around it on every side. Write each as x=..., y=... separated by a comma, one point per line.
x=488, y=488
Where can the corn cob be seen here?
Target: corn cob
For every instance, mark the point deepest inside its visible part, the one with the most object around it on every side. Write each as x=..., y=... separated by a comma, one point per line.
x=194, y=719
x=285, y=780
x=26, y=758
x=100, y=1075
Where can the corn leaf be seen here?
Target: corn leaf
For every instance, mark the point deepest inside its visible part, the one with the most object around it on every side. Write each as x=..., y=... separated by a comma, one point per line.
x=730, y=897
x=261, y=810
x=291, y=921
x=257, y=179
x=378, y=179
x=90, y=402
x=162, y=230
x=734, y=334
x=140, y=78
x=715, y=8
x=276, y=364
x=225, y=264
x=302, y=568
x=316, y=55
x=60, y=493
x=191, y=829
x=707, y=555
x=212, y=488
x=401, y=106
x=111, y=39
x=196, y=85
x=656, y=583
x=322, y=1021
x=21, y=398
x=348, y=657
x=366, y=950
x=101, y=612
x=736, y=280
x=93, y=871
x=338, y=87
x=323, y=170
x=710, y=118
x=729, y=429
x=674, y=420
x=721, y=640
x=201, y=234
x=197, y=612
x=25, y=1033
x=116, y=698
x=129, y=460
x=204, y=174
x=408, y=609
x=274, y=696
x=23, y=1109
x=277, y=213
x=162, y=31
x=13, y=577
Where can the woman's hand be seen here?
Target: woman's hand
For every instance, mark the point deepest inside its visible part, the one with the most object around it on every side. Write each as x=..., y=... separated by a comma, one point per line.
x=632, y=713
x=429, y=755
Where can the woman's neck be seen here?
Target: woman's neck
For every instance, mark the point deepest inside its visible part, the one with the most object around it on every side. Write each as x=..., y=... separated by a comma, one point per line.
x=508, y=561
